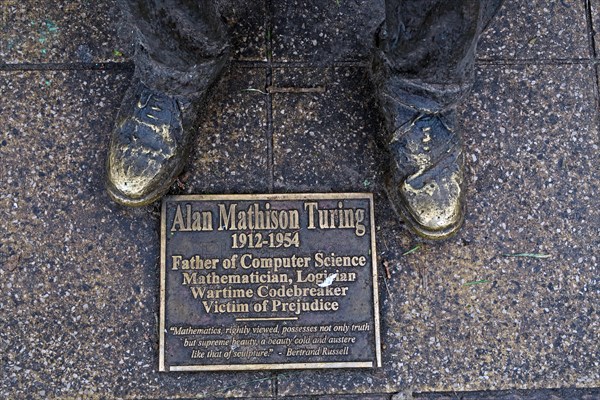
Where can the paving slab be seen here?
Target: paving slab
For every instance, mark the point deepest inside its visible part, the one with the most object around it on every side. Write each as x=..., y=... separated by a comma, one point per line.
x=542, y=394
x=460, y=315
x=78, y=273
x=58, y=32
x=537, y=30
x=344, y=30
x=247, y=26
x=71, y=31
x=324, y=31
x=231, y=152
x=595, y=22
x=323, y=139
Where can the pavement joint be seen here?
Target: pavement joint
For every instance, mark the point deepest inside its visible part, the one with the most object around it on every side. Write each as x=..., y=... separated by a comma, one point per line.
x=549, y=61
x=104, y=66
x=128, y=65
x=590, y=25
x=269, y=83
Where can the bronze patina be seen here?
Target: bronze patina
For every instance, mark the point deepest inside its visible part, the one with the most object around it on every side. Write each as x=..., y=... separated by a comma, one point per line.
x=422, y=68
x=259, y=282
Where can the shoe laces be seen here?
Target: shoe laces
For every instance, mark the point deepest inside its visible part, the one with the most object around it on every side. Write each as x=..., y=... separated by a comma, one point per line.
x=150, y=114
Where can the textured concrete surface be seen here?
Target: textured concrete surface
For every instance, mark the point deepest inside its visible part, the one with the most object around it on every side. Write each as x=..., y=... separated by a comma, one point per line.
x=324, y=31
x=59, y=32
x=323, y=139
x=462, y=319
x=79, y=278
x=538, y=30
x=231, y=152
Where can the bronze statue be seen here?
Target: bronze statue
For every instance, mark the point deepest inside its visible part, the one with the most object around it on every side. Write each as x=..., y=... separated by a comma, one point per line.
x=422, y=68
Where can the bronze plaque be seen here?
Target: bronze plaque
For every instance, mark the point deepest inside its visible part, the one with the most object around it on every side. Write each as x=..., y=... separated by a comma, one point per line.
x=265, y=282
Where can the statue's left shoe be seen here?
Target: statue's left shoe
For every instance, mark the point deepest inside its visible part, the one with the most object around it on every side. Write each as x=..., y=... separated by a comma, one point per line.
x=149, y=146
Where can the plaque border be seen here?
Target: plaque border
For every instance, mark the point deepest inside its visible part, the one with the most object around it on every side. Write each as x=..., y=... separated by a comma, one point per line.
x=274, y=366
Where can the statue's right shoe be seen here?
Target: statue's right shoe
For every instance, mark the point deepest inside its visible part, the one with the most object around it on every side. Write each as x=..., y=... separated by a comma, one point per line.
x=149, y=145
x=425, y=183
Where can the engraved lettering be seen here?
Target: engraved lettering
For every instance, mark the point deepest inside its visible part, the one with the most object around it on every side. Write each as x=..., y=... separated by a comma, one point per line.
x=248, y=261
x=336, y=218
x=319, y=277
x=225, y=293
x=194, y=262
x=333, y=260
x=222, y=308
x=213, y=278
x=193, y=220
x=257, y=218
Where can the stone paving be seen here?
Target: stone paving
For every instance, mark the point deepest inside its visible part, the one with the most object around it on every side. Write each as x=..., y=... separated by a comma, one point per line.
x=295, y=112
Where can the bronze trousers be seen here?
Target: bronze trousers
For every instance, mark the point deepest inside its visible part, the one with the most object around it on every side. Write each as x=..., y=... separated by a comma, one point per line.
x=428, y=45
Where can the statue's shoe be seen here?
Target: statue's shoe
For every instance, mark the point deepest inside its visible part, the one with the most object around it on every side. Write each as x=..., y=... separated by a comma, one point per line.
x=426, y=180
x=149, y=145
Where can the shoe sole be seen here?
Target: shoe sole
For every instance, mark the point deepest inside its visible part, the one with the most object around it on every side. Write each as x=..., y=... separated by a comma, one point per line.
x=117, y=196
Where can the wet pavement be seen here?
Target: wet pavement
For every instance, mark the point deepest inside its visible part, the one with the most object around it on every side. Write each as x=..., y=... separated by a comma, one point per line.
x=295, y=112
